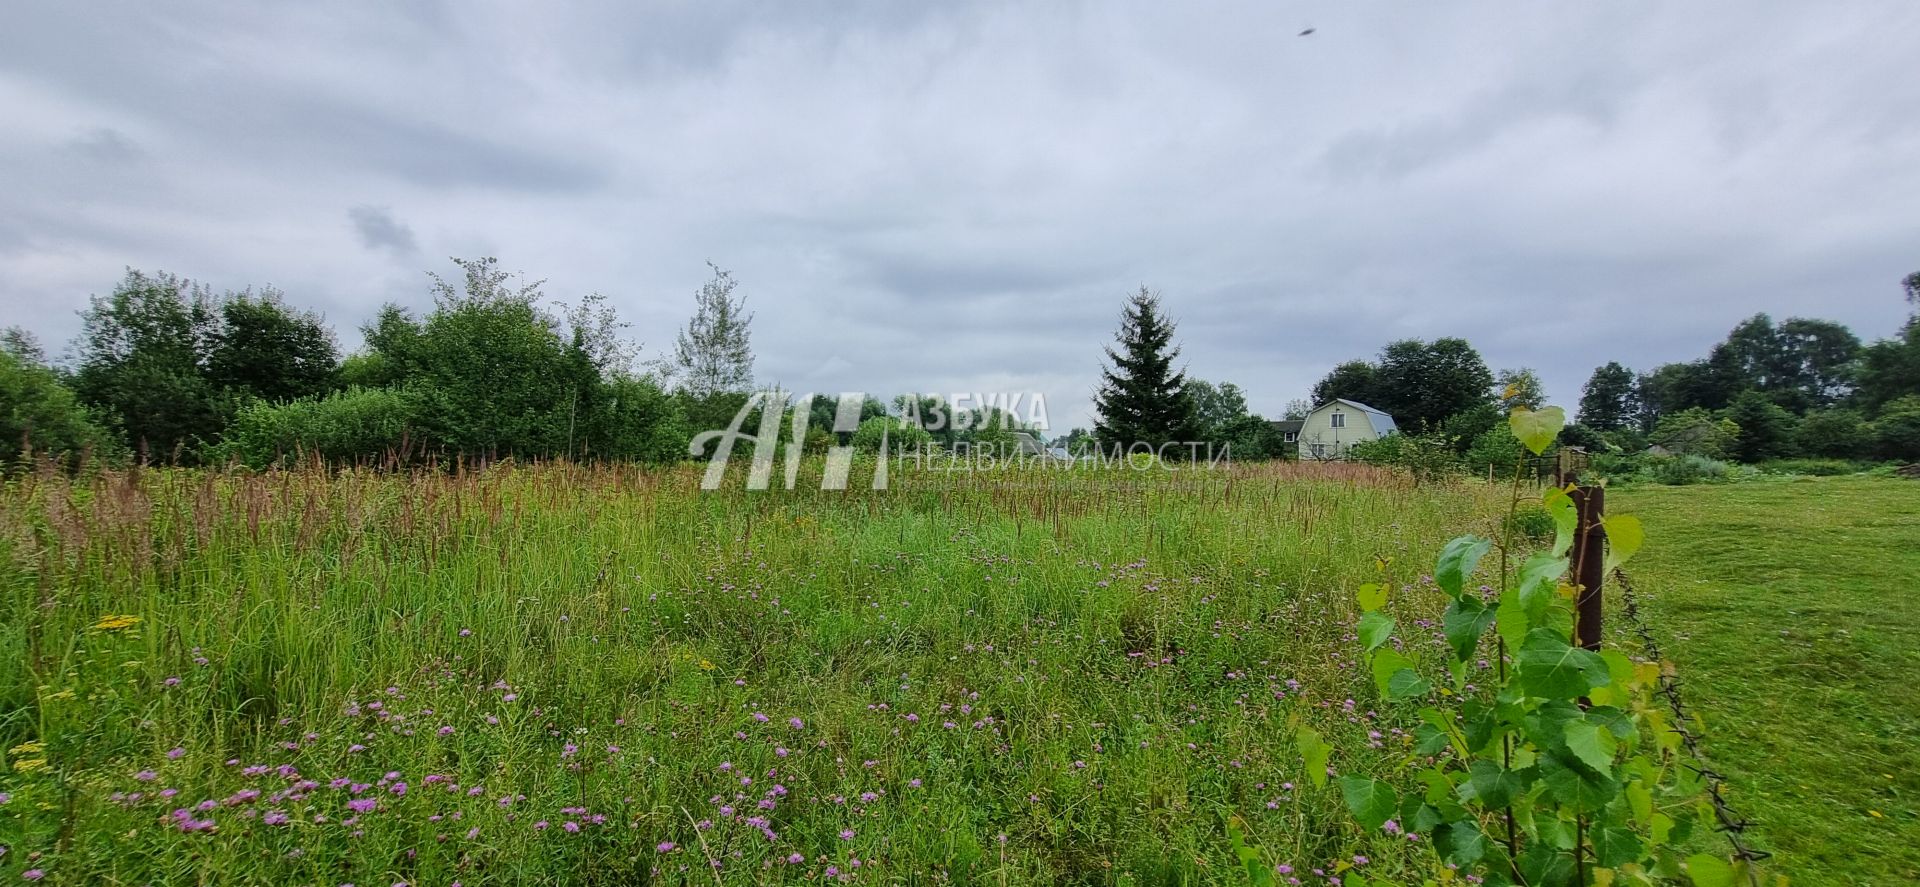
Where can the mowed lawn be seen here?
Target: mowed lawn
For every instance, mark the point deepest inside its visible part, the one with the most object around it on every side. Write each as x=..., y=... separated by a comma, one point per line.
x=1789, y=610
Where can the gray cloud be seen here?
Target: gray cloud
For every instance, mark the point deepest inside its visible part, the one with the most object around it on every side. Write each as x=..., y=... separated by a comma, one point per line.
x=380, y=230
x=106, y=145
x=958, y=198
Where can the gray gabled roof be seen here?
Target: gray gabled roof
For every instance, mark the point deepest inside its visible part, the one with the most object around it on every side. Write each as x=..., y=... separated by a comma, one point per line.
x=1383, y=423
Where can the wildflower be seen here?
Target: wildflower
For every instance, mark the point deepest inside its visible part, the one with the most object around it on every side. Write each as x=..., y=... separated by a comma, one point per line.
x=665, y=846
x=846, y=834
x=446, y=730
x=398, y=789
x=116, y=623
x=175, y=754
x=29, y=765
x=33, y=874
x=796, y=723
x=795, y=859
x=570, y=826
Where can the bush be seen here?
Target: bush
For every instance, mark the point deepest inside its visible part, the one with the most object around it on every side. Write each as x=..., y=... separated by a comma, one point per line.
x=1687, y=469
x=1496, y=449
x=1695, y=432
x=355, y=425
x=1618, y=465
x=1834, y=434
x=1532, y=522
x=37, y=411
x=1810, y=467
x=1896, y=433
x=1427, y=457
x=898, y=436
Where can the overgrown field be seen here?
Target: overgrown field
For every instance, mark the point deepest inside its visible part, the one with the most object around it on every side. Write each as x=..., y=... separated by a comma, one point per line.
x=564, y=674
x=1788, y=608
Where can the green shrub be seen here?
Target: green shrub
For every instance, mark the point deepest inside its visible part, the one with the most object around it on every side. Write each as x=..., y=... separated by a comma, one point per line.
x=358, y=424
x=1834, y=434
x=898, y=437
x=37, y=411
x=1531, y=522
x=1810, y=467
x=1426, y=456
x=1687, y=469
x=1618, y=465
x=1896, y=433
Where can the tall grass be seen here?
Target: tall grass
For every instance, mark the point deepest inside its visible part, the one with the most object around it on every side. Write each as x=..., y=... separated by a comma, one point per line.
x=560, y=673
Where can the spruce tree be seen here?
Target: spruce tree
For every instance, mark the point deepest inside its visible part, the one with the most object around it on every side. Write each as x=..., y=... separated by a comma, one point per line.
x=1142, y=399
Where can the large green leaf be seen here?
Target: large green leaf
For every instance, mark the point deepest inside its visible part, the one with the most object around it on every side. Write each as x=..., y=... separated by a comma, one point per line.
x=1371, y=800
x=1464, y=621
x=1624, y=536
x=1313, y=754
x=1493, y=785
x=1548, y=666
x=1566, y=518
x=1592, y=743
x=1457, y=562
x=1511, y=622
x=1461, y=843
x=1573, y=784
x=1536, y=429
x=1375, y=628
x=1372, y=596
x=1539, y=579
x=1407, y=684
x=1708, y=870
x=1386, y=663
x=1615, y=845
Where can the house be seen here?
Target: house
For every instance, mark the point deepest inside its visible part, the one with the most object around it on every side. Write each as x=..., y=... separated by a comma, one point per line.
x=1289, y=431
x=1337, y=425
x=1027, y=446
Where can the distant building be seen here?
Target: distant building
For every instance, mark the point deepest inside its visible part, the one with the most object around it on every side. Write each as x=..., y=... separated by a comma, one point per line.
x=1289, y=431
x=1335, y=426
x=1026, y=445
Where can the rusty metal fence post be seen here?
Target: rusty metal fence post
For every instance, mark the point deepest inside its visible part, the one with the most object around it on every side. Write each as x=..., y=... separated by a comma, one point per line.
x=1589, y=564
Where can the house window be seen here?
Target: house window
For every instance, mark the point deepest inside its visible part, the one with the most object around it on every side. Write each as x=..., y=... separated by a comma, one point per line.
x=1293, y=437
x=1339, y=420
x=1319, y=451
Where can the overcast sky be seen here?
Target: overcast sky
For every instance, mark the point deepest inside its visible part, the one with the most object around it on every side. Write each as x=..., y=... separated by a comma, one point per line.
x=946, y=197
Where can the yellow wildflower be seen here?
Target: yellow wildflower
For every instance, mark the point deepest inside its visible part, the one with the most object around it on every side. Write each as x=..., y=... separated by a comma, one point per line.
x=28, y=765
x=707, y=665
x=27, y=748
x=116, y=623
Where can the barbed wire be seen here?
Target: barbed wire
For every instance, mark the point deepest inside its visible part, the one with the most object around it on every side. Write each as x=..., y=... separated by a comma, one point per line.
x=1731, y=823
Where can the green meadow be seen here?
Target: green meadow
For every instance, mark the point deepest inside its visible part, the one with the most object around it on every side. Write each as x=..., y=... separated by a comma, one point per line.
x=567, y=674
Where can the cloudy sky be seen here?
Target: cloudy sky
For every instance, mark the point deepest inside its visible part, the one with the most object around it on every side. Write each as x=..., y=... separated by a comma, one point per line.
x=947, y=197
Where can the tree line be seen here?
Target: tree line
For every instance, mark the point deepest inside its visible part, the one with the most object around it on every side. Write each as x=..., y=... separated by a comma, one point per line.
x=1797, y=388
x=166, y=371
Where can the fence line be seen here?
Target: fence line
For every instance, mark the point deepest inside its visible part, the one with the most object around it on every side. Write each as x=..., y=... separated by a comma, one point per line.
x=1732, y=824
